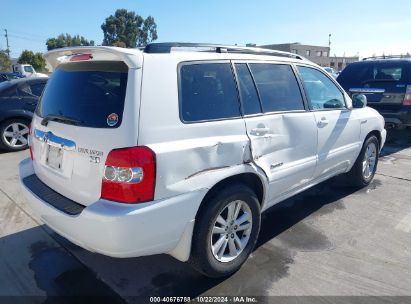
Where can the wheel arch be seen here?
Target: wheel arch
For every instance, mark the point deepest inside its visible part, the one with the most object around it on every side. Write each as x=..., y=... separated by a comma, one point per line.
x=377, y=134
x=251, y=180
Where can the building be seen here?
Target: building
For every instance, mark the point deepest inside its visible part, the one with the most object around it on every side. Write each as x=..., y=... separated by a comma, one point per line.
x=318, y=54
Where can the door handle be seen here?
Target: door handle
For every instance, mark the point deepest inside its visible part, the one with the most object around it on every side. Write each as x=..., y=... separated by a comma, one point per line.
x=323, y=122
x=260, y=131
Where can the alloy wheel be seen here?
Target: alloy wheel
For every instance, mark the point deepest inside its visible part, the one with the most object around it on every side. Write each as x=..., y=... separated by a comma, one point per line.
x=369, y=160
x=15, y=135
x=231, y=231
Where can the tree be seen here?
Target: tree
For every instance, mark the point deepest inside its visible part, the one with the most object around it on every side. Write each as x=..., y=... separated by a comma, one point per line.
x=35, y=59
x=5, y=63
x=64, y=40
x=149, y=32
x=129, y=28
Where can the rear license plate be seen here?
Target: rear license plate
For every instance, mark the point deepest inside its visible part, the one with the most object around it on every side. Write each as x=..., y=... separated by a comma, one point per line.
x=54, y=157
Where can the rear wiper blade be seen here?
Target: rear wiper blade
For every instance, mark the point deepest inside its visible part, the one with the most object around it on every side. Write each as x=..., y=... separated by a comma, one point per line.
x=60, y=118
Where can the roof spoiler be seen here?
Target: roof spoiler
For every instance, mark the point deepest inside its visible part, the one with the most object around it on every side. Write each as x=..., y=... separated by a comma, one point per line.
x=132, y=57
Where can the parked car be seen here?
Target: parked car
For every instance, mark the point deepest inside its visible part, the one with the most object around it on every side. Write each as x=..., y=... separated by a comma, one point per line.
x=4, y=76
x=331, y=71
x=179, y=148
x=27, y=70
x=18, y=99
x=386, y=81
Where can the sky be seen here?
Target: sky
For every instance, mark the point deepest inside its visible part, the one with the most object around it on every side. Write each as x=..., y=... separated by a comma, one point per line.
x=358, y=27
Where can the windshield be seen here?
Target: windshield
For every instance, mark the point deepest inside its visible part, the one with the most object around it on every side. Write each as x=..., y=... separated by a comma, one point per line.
x=28, y=69
x=92, y=93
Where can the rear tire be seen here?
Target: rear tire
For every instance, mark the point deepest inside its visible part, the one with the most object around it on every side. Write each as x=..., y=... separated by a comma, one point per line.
x=363, y=171
x=226, y=231
x=14, y=134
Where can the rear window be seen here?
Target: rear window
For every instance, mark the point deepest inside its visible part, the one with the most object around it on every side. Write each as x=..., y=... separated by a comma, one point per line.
x=363, y=73
x=208, y=92
x=91, y=92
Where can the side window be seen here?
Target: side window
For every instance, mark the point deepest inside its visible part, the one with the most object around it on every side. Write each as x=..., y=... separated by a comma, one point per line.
x=322, y=93
x=207, y=92
x=24, y=90
x=248, y=92
x=277, y=87
x=37, y=88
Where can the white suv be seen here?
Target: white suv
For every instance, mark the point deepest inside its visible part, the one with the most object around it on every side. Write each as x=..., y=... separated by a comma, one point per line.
x=179, y=148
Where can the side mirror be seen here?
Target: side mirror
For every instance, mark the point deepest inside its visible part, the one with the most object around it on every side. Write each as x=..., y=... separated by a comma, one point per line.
x=359, y=101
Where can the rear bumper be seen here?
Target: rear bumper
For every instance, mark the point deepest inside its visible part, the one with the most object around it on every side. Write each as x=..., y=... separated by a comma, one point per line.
x=122, y=230
x=400, y=118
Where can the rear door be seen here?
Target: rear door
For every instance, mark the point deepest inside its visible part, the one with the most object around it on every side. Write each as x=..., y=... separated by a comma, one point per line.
x=338, y=127
x=86, y=110
x=283, y=134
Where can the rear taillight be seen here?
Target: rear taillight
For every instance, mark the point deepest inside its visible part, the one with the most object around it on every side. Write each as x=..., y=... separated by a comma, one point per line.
x=407, y=98
x=129, y=175
x=29, y=143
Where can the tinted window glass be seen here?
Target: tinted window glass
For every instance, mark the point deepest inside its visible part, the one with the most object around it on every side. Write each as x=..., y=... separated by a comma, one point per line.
x=374, y=73
x=24, y=89
x=88, y=92
x=321, y=91
x=208, y=91
x=277, y=86
x=384, y=72
x=37, y=88
x=248, y=92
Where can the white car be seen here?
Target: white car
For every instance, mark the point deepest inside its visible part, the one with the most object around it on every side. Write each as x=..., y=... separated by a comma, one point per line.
x=27, y=70
x=179, y=148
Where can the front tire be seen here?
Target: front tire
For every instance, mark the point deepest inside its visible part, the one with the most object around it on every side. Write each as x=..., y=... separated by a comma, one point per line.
x=363, y=171
x=226, y=231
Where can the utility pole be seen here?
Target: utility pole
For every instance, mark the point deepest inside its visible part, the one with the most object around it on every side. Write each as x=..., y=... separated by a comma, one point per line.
x=329, y=42
x=7, y=41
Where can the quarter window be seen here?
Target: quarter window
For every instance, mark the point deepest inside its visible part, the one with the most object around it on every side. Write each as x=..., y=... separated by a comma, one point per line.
x=322, y=92
x=248, y=92
x=208, y=92
x=277, y=87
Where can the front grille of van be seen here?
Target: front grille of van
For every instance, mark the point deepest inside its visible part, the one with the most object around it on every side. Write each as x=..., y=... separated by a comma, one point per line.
x=51, y=197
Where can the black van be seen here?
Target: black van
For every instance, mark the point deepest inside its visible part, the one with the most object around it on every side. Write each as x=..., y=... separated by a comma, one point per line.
x=386, y=81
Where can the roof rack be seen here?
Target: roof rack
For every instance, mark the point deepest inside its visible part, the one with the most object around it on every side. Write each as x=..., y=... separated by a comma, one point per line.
x=167, y=47
x=388, y=57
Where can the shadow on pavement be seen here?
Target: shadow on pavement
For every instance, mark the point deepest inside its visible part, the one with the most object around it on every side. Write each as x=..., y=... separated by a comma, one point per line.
x=162, y=275
x=27, y=256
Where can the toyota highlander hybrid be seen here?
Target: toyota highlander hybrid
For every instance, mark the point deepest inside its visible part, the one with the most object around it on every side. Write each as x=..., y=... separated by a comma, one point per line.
x=179, y=148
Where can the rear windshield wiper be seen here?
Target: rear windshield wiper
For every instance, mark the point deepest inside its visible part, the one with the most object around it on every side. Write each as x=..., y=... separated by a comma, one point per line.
x=60, y=118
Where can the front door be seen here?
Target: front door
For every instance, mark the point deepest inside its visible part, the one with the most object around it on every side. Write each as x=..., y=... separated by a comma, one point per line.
x=282, y=133
x=338, y=128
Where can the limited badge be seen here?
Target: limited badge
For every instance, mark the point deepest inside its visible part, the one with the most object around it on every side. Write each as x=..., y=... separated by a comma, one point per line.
x=112, y=119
